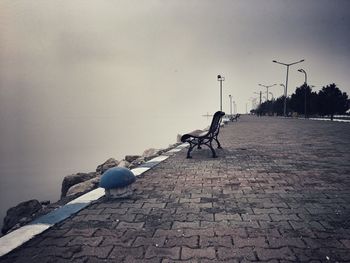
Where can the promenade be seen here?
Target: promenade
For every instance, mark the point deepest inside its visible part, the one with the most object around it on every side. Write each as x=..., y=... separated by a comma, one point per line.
x=278, y=192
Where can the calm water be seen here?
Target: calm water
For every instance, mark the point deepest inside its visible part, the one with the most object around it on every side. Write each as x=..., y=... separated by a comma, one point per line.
x=34, y=170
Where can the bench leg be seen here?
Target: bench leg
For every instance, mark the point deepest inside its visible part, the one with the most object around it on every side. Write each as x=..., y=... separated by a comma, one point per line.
x=199, y=144
x=217, y=141
x=212, y=150
x=189, y=151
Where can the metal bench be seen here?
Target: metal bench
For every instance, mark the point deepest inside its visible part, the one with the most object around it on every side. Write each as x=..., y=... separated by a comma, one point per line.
x=200, y=137
x=235, y=117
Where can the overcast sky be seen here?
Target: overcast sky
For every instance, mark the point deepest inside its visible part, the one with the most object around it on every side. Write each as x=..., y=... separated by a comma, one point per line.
x=165, y=53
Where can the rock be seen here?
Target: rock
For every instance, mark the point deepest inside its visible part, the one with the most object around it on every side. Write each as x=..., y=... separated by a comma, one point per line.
x=83, y=187
x=178, y=138
x=131, y=158
x=74, y=179
x=111, y=162
x=137, y=162
x=150, y=153
x=46, y=202
x=20, y=214
x=124, y=163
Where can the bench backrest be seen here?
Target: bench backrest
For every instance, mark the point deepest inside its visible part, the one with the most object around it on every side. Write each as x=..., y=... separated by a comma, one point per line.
x=215, y=123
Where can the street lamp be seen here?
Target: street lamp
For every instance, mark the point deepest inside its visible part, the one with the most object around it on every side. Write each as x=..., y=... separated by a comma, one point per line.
x=285, y=93
x=230, y=104
x=259, y=101
x=267, y=89
x=221, y=79
x=303, y=71
x=284, y=89
x=253, y=101
x=259, y=93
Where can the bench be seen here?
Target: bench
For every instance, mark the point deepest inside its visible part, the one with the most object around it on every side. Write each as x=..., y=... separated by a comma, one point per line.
x=200, y=137
x=235, y=117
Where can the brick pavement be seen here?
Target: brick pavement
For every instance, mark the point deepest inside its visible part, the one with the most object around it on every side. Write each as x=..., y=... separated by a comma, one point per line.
x=279, y=192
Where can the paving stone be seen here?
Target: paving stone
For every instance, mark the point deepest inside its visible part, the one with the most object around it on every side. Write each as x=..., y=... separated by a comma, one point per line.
x=99, y=252
x=80, y=232
x=124, y=241
x=266, y=211
x=166, y=260
x=148, y=241
x=103, y=232
x=262, y=232
x=279, y=253
x=56, y=241
x=89, y=241
x=120, y=217
x=249, y=242
x=188, y=253
x=181, y=225
x=286, y=242
x=225, y=217
x=169, y=233
x=238, y=254
x=170, y=253
x=225, y=241
x=228, y=231
x=128, y=225
x=97, y=260
x=175, y=241
x=346, y=243
x=154, y=205
x=284, y=217
x=119, y=253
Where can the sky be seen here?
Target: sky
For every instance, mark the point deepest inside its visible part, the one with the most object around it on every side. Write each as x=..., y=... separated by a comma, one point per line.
x=88, y=56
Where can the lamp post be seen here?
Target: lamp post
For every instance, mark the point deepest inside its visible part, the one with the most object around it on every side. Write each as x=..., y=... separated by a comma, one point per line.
x=221, y=79
x=303, y=71
x=267, y=89
x=284, y=88
x=259, y=101
x=230, y=104
x=253, y=101
x=285, y=93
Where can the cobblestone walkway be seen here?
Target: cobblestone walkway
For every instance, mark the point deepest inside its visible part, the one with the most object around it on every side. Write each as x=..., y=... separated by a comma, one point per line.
x=279, y=191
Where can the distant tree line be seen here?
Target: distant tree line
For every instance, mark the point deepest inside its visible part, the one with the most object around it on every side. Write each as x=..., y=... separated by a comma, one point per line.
x=329, y=101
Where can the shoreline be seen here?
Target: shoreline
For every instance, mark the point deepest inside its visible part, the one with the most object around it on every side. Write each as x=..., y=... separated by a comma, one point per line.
x=77, y=189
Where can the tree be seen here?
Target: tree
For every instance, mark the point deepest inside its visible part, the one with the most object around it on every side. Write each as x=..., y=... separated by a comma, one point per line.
x=278, y=105
x=314, y=104
x=332, y=101
x=297, y=101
